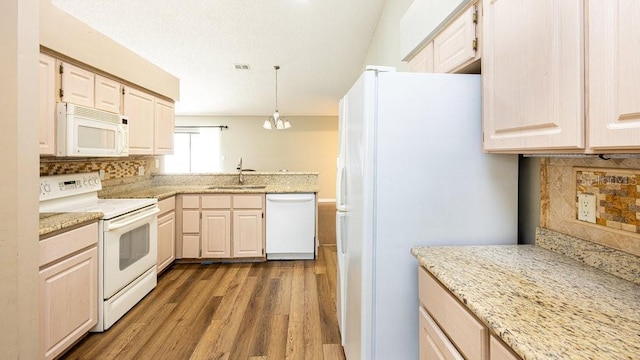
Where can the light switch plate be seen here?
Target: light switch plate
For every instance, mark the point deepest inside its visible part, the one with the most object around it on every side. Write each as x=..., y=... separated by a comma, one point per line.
x=587, y=207
x=141, y=170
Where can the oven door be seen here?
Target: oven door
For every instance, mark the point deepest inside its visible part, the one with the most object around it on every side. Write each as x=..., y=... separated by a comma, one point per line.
x=130, y=248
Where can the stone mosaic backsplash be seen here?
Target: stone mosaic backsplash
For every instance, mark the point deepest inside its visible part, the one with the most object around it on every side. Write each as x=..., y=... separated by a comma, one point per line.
x=114, y=168
x=613, y=183
x=617, y=196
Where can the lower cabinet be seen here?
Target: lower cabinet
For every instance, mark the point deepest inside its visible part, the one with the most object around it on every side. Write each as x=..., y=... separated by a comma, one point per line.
x=448, y=330
x=68, y=291
x=221, y=226
x=166, y=233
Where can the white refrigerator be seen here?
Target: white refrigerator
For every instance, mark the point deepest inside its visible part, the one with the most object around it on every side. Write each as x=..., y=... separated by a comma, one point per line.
x=411, y=172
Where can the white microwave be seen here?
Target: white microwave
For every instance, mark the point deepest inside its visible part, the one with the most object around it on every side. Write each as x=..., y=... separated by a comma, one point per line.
x=87, y=132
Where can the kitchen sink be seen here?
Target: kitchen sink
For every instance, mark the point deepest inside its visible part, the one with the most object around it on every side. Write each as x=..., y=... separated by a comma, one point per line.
x=233, y=187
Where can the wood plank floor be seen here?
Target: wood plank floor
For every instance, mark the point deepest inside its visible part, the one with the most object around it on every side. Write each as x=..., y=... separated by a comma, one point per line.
x=270, y=310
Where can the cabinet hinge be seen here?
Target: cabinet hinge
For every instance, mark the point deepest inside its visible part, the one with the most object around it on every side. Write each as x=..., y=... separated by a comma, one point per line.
x=61, y=93
x=262, y=251
x=263, y=215
x=475, y=17
x=475, y=44
x=122, y=90
x=61, y=70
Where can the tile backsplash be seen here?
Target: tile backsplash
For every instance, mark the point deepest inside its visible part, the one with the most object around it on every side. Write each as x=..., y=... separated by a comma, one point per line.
x=614, y=182
x=117, y=170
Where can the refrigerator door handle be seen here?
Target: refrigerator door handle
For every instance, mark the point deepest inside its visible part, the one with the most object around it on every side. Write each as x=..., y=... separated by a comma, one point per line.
x=341, y=190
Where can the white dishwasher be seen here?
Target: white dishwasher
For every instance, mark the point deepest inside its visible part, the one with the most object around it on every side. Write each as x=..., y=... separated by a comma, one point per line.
x=291, y=226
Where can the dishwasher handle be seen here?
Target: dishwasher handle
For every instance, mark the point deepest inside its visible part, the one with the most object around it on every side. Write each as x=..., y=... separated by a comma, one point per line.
x=291, y=198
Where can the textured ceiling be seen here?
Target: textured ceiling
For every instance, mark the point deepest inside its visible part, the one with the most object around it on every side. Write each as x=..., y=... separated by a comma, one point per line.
x=320, y=46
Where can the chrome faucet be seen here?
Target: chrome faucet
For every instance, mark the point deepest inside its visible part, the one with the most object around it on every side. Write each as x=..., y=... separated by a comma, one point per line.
x=240, y=177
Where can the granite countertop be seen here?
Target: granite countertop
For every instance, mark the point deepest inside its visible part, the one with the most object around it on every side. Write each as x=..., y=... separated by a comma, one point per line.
x=542, y=304
x=166, y=191
x=52, y=222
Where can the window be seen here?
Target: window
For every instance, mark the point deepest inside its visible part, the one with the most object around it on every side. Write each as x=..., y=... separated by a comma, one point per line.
x=195, y=150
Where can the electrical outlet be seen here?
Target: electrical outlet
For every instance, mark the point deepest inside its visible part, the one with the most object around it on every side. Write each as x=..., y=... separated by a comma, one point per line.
x=587, y=207
x=101, y=172
x=141, y=170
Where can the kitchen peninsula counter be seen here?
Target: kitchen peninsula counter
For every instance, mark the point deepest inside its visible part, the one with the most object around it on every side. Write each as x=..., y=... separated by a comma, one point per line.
x=540, y=303
x=165, y=186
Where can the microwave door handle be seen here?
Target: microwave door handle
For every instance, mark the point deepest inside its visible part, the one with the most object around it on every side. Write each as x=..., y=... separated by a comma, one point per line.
x=118, y=225
x=121, y=148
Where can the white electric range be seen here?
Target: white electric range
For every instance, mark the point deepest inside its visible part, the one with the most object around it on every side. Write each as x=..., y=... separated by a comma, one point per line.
x=127, y=240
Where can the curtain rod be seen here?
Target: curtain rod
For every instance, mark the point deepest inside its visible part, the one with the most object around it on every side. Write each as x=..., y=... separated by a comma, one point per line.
x=221, y=127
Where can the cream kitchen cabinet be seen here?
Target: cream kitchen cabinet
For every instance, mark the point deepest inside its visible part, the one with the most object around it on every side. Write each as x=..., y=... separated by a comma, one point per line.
x=47, y=105
x=84, y=87
x=139, y=107
x=164, y=126
x=151, y=123
x=68, y=288
x=448, y=330
x=108, y=94
x=222, y=226
x=613, y=85
x=454, y=46
x=166, y=233
x=532, y=75
x=548, y=87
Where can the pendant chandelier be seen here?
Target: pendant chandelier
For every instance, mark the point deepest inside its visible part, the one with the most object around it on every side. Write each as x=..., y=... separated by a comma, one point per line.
x=275, y=121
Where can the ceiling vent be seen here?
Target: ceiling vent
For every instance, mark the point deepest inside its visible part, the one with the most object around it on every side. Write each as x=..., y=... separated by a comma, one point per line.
x=241, y=66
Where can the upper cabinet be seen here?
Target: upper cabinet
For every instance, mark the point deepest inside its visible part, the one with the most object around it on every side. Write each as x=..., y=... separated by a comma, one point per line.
x=78, y=85
x=452, y=41
x=560, y=76
x=151, y=119
x=47, y=104
x=151, y=123
x=532, y=75
x=83, y=87
x=614, y=84
x=108, y=94
x=164, y=125
x=139, y=107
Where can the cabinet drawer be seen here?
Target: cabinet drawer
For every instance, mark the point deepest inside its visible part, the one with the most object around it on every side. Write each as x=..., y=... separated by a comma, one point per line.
x=59, y=246
x=464, y=330
x=499, y=351
x=434, y=344
x=216, y=201
x=167, y=205
x=190, y=201
x=248, y=201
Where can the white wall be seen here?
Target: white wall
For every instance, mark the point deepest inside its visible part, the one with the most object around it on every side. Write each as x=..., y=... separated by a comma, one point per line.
x=19, y=179
x=385, y=45
x=311, y=144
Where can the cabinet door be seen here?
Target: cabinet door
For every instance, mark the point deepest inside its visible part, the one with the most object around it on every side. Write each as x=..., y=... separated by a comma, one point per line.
x=78, y=85
x=164, y=118
x=191, y=221
x=613, y=77
x=248, y=234
x=532, y=75
x=456, y=45
x=434, y=344
x=499, y=351
x=216, y=234
x=47, y=107
x=68, y=301
x=166, y=240
x=423, y=61
x=108, y=94
x=139, y=107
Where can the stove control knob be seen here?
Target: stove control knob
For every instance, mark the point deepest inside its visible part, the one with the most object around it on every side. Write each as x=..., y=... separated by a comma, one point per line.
x=45, y=188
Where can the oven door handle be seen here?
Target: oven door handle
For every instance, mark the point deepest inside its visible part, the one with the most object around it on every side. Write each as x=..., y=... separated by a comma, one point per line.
x=129, y=221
